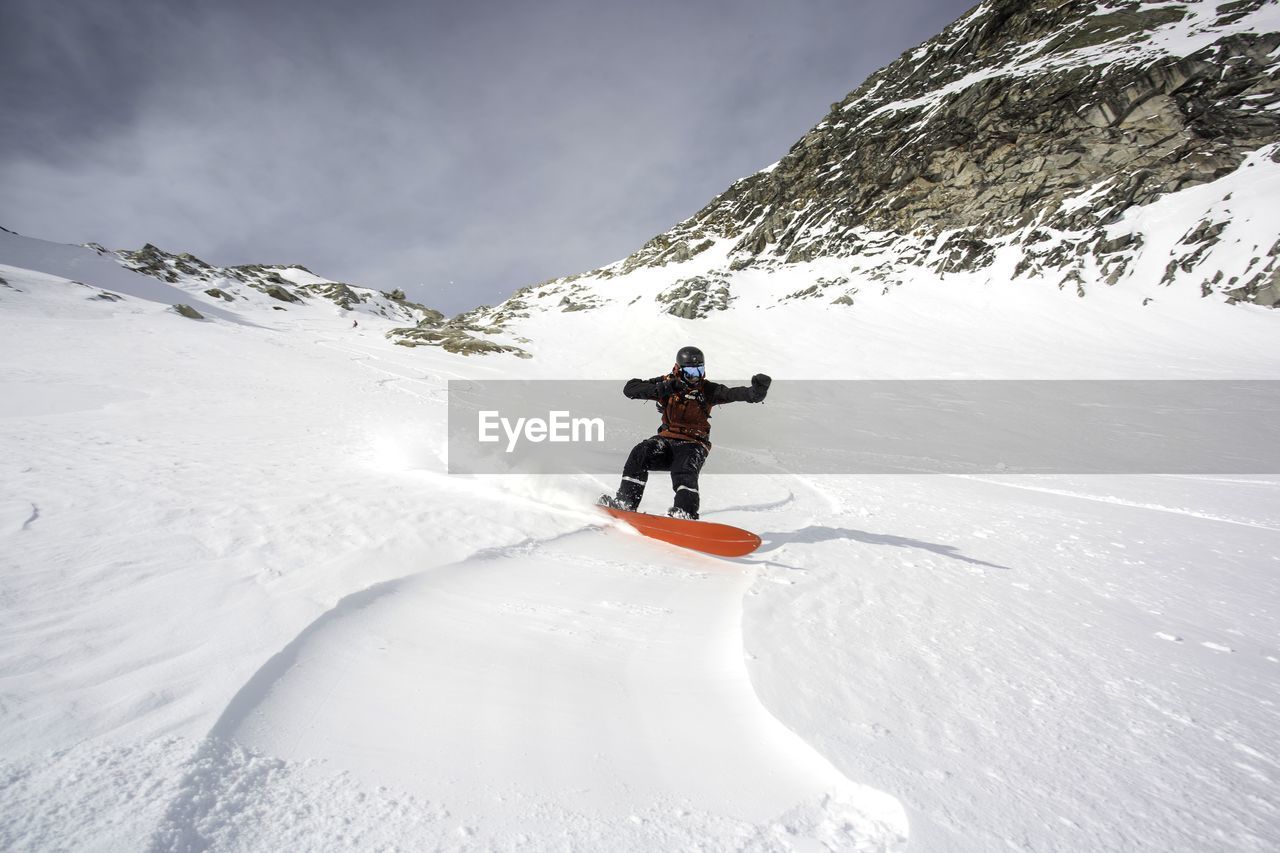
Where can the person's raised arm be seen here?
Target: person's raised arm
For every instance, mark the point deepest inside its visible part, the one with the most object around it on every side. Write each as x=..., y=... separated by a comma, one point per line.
x=753, y=393
x=656, y=388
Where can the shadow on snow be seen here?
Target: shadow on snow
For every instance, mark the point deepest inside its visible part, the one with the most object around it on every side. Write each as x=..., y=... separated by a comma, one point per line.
x=821, y=533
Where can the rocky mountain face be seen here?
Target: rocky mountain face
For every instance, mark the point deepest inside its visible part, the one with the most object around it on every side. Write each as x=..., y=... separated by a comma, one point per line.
x=1028, y=132
x=995, y=129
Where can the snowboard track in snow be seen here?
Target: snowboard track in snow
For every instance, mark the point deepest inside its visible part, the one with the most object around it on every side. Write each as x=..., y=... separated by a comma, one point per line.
x=187, y=817
x=231, y=774
x=1131, y=504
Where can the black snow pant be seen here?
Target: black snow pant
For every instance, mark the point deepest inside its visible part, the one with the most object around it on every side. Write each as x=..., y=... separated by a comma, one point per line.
x=682, y=458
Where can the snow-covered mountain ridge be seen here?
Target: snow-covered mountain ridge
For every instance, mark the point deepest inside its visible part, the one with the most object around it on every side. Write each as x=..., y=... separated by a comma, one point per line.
x=246, y=286
x=1076, y=145
x=280, y=285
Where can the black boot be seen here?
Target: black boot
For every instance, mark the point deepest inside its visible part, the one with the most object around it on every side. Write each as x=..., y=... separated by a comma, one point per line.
x=614, y=503
x=685, y=504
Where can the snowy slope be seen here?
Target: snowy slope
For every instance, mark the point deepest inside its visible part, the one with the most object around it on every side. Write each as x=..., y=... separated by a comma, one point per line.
x=78, y=264
x=244, y=608
x=217, y=527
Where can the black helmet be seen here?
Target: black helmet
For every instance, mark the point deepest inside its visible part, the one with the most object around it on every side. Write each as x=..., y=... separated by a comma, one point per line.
x=689, y=357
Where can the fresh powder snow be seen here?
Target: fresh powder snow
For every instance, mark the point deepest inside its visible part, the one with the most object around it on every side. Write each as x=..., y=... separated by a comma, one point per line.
x=244, y=607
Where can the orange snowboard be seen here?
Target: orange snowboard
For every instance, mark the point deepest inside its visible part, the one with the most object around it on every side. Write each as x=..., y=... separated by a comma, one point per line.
x=706, y=536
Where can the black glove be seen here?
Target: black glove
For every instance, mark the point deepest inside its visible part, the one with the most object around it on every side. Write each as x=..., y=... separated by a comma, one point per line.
x=760, y=387
x=671, y=385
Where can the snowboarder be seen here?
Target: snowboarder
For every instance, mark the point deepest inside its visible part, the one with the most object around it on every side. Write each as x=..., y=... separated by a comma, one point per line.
x=355, y=324
x=685, y=397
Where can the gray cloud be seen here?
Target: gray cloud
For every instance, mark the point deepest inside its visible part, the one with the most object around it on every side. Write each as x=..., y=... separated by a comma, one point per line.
x=412, y=145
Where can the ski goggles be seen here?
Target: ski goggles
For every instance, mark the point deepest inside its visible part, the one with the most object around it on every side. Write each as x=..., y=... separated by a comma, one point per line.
x=694, y=371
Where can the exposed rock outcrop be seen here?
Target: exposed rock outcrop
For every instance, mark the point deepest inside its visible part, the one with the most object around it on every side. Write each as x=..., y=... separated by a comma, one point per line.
x=695, y=297
x=458, y=335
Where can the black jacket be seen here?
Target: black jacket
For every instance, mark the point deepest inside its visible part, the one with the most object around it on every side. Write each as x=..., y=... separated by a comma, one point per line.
x=686, y=414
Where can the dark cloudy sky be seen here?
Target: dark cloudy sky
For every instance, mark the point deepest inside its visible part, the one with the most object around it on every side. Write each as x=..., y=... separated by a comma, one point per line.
x=457, y=150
